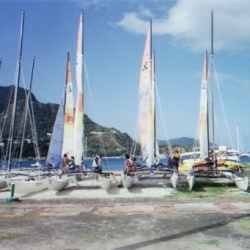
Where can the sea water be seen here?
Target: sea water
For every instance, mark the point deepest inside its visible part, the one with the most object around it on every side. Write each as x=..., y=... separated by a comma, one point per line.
x=107, y=163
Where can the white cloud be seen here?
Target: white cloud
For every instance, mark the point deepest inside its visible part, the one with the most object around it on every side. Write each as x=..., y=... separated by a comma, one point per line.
x=188, y=22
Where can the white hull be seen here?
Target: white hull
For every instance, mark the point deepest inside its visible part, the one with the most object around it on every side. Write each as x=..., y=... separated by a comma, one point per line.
x=105, y=183
x=241, y=183
x=191, y=181
x=30, y=186
x=56, y=183
x=174, y=179
x=127, y=180
x=3, y=183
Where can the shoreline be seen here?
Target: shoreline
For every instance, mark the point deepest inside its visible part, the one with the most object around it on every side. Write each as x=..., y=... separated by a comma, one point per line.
x=156, y=189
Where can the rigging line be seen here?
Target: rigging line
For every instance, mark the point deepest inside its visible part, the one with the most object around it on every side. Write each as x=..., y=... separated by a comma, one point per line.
x=163, y=119
x=222, y=105
x=216, y=123
x=93, y=108
x=135, y=139
x=224, y=111
x=33, y=130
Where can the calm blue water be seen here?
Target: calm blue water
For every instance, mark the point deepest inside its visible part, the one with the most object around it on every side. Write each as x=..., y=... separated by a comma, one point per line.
x=111, y=163
x=245, y=159
x=107, y=163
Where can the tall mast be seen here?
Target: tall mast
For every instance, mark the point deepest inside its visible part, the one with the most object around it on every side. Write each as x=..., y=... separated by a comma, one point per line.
x=26, y=113
x=154, y=89
x=208, y=142
x=16, y=92
x=79, y=106
x=32, y=117
x=212, y=80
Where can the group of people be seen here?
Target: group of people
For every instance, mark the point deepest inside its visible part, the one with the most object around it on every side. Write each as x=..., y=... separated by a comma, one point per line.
x=68, y=164
x=130, y=164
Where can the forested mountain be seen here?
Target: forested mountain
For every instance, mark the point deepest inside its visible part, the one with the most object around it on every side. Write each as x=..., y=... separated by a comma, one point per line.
x=98, y=139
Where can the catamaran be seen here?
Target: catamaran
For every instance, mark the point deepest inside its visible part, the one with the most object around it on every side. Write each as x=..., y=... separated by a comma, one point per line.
x=62, y=135
x=207, y=164
x=24, y=182
x=67, y=136
x=147, y=121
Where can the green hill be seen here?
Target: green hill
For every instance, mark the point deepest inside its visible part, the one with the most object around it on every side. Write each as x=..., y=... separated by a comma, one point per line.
x=98, y=139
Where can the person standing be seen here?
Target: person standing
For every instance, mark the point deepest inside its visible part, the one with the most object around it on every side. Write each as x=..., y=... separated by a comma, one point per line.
x=72, y=165
x=129, y=164
x=96, y=164
x=175, y=159
x=65, y=163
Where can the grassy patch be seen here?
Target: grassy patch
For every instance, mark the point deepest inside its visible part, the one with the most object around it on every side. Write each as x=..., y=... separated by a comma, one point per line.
x=210, y=188
x=213, y=242
x=242, y=224
x=24, y=218
x=10, y=236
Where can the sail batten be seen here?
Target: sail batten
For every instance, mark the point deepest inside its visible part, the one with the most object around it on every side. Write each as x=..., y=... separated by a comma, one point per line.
x=146, y=102
x=68, y=134
x=203, y=133
x=79, y=107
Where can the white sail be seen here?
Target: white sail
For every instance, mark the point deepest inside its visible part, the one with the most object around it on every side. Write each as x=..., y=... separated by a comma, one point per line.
x=68, y=134
x=79, y=111
x=203, y=132
x=55, y=148
x=146, y=109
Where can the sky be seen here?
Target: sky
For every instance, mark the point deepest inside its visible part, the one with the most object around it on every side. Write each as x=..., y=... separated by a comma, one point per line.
x=114, y=39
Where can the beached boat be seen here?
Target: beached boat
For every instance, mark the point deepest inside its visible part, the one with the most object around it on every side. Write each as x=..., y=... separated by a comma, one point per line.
x=24, y=183
x=67, y=136
x=28, y=184
x=58, y=182
x=3, y=182
x=209, y=164
x=104, y=178
x=62, y=135
x=147, y=120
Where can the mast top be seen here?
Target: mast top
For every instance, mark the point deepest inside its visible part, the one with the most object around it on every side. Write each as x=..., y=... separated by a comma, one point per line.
x=212, y=33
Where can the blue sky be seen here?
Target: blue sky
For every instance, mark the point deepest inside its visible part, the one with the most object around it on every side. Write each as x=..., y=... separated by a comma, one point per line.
x=115, y=32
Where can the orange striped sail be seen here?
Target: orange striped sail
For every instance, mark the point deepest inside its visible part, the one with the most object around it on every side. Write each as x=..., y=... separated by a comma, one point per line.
x=203, y=132
x=68, y=133
x=146, y=108
x=79, y=108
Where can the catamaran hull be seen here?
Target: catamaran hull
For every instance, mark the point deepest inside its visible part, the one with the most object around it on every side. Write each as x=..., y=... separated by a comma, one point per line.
x=241, y=183
x=3, y=183
x=127, y=180
x=31, y=186
x=191, y=181
x=105, y=183
x=55, y=183
x=174, y=179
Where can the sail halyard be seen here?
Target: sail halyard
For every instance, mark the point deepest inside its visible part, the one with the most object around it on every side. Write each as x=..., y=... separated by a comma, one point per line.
x=32, y=120
x=203, y=133
x=68, y=134
x=146, y=116
x=156, y=153
x=13, y=120
x=79, y=107
x=212, y=81
x=27, y=112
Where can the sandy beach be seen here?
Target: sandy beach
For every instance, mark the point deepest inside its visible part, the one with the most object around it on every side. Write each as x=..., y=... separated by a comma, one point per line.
x=149, y=215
